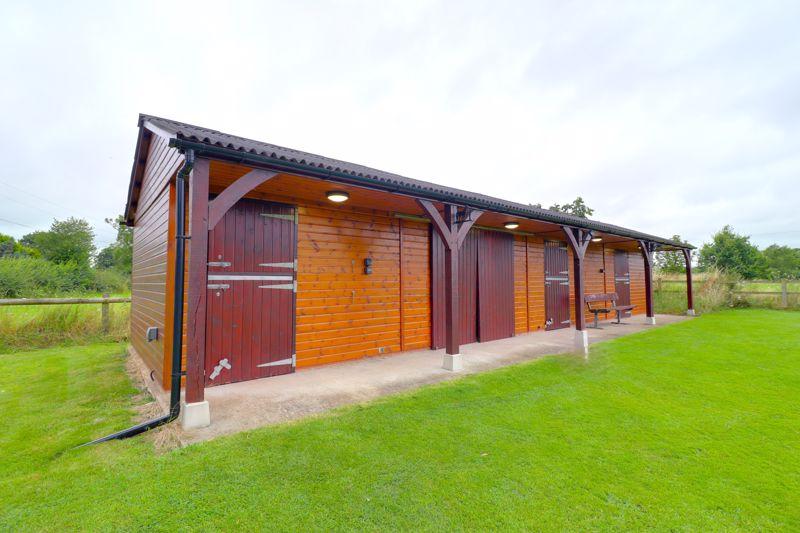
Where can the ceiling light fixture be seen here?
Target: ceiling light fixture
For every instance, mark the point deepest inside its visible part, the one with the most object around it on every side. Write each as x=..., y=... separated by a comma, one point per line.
x=337, y=196
x=511, y=225
x=597, y=239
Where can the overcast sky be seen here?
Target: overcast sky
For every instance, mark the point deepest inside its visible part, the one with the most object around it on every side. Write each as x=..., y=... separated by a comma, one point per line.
x=667, y=117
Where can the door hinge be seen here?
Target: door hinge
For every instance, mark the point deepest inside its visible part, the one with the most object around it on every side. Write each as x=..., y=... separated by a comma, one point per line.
x=284, y=286
x=291, y=218
x=288, y=361
x=223, y=363
x=278, y=265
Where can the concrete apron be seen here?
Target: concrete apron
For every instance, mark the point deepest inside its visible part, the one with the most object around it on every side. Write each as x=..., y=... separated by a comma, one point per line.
x=252, y=404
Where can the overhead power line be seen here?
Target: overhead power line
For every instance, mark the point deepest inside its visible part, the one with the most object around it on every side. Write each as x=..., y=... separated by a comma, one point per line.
x=16, y=223
x=37, y=197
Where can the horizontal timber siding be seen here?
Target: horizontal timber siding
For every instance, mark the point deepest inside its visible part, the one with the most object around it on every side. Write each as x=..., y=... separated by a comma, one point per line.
x=149, y=265
x=636, y=267
x=536, y=312
x=520, y=285
x=343, y=313
x=416, y=285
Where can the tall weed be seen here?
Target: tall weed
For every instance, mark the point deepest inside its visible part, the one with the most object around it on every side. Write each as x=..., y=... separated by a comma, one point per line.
x=26, y=327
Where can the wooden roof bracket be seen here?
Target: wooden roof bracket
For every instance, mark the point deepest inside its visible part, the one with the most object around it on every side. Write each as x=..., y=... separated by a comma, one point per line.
x=648, y=248
x=449, y=229
x=235, y=192
x=578, y=239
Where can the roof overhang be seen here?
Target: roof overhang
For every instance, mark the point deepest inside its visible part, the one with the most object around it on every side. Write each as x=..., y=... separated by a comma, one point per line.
x=345, y=173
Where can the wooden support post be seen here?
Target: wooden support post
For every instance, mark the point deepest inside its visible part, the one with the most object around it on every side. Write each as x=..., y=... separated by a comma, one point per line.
x=104, y=316
x=453, y=233
x=784, y=294
x=648, y=249
x=578, y=240
x=197, y=281
x=687, y=256
x=451, y=315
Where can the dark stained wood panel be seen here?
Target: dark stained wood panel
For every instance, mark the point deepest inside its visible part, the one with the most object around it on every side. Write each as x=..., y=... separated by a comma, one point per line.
x=467, y=289
x=557, y=285
x=495, y=285
x=149, y=265
x=622, y=279
x=251, y=321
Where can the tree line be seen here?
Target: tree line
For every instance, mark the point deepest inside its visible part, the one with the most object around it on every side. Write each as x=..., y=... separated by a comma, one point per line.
x=732, y=252
x=65, y=260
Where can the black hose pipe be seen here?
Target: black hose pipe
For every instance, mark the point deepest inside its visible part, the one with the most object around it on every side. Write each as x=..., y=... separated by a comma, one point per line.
x=177, y=314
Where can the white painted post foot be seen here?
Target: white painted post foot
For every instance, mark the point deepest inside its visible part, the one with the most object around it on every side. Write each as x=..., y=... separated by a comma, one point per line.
x=195, y=415
x=690, y=312
x=452, y=362
x=650, y=320
x=582, y=342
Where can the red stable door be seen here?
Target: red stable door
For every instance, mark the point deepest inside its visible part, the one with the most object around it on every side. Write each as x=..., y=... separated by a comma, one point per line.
x=556, y=285
x=252, y=272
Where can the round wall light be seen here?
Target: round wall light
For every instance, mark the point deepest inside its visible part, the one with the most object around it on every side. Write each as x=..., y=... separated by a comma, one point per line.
x=337, y=196
x=511, y=225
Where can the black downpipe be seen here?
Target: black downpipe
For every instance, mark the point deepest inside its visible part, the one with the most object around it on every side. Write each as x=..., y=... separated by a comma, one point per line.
x=177, y=314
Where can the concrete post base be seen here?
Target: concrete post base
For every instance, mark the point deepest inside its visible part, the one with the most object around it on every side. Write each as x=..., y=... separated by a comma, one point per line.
x=452, y=362
x=195, y=415
x=691, y=312
x=582, y=342
x=651, y=320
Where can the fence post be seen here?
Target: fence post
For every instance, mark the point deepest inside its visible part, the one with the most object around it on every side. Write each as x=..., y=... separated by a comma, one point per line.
x=104, y=315
x=784, y=293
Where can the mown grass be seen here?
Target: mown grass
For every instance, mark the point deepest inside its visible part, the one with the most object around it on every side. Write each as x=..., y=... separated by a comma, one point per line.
x=25, y=327
x=687, y=427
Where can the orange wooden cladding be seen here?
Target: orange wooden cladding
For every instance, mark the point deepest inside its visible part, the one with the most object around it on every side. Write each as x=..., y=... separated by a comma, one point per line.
x=521, y=324
x=343, y=313
x=636, y=266
x=536, y=311
x=416, y=285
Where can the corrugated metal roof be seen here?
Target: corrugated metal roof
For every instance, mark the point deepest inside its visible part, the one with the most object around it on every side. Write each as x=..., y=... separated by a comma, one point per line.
x=198, y=137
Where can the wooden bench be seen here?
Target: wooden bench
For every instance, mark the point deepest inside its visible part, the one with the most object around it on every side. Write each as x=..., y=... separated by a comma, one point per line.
x=599, y=301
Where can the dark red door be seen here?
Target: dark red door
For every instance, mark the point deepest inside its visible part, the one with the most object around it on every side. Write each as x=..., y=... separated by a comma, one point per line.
x=622, y=279
x=467, y=289
x=485, y=287
x=556, y=285
x=251, y=293
x=495, y=285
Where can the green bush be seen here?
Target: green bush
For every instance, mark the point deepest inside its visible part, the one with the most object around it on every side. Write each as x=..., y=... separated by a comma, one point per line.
x=32, y=277
x=110, y=281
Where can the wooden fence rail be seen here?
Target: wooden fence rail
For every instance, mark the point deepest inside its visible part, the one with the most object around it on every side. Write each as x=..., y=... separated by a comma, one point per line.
x=104, y=302
x=732, y=288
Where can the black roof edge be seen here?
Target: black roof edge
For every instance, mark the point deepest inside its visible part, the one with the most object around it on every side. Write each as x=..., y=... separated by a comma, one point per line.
x=545, y=215
x=127, y=215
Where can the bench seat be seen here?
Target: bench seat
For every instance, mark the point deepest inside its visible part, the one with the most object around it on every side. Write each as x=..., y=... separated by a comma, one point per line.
x=600, y=300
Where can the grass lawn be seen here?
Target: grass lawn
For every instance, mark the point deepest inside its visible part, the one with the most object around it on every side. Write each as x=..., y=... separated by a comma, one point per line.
x=694, y=426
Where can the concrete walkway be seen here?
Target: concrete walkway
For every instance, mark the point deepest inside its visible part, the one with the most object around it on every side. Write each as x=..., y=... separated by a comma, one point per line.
x=251, y=404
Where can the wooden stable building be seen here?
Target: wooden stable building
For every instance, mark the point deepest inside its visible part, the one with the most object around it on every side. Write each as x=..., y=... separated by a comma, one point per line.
x=294, y=260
